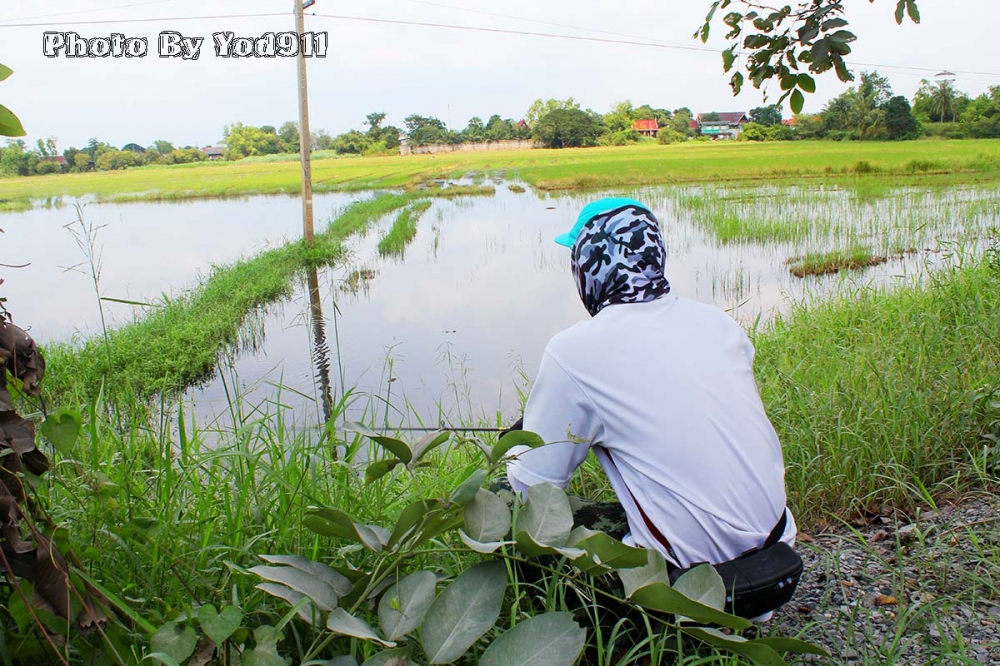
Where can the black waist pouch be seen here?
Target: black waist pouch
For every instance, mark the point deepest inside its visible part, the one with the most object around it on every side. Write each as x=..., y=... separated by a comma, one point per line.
x=759, y=581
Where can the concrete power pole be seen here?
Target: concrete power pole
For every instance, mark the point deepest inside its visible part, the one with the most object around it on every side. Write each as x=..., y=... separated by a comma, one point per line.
x=305, y=137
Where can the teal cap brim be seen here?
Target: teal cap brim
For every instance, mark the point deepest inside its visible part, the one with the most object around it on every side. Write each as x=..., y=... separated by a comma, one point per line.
x=592, y=210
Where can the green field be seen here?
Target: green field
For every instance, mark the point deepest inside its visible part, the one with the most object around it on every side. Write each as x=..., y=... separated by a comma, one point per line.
x=544, y=169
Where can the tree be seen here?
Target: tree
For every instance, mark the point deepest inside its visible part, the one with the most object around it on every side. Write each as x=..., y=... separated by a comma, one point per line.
x=475, y=131
x=542, y=107
x=425, y=130
x=981, y=119
x=766, y=115
x=374, y=121
x=244, y=141
x=163, y=147
x=899, y=120
x=81, y=161
x=789, y=43
x=709, y=117
x=943, y=100
x=620, y=118
x=681, y=122
x=289, y=135
x=9, y=124
x=565, y=128
x=352, y=142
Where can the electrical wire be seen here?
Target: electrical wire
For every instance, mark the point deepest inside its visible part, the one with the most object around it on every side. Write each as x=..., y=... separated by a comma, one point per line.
x=90, y=11
x=468, y=28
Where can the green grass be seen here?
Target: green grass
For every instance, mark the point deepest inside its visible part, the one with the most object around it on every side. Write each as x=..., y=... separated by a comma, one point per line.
x=882, y=398
x=15, y=205
x=825, y=263
x=571, y=169
x=403, y=230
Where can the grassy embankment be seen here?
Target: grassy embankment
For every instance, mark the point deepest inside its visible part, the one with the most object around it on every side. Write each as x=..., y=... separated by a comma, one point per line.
x=543, y=169
x=179, y=341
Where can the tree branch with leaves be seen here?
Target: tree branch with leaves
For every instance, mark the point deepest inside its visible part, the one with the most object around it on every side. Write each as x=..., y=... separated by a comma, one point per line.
x=790, y=43
x=9, y=123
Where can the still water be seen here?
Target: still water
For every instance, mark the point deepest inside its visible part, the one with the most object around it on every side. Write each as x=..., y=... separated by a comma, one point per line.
x=450, y=331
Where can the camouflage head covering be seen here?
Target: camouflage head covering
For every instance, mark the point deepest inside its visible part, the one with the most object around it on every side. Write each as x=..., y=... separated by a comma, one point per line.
x=619, y=257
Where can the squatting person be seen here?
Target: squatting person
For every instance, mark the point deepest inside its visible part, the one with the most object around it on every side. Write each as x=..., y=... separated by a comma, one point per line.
x=662, y=389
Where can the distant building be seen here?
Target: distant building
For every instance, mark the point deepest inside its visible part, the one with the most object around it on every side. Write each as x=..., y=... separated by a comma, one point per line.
x=728, y=126
x=646, y=127
x=214, y=152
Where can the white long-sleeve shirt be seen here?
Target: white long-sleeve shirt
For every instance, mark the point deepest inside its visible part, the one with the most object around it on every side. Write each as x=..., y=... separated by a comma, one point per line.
x=667, y=389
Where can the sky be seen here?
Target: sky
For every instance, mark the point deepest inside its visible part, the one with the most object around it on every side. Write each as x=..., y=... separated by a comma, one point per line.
x=447, y=73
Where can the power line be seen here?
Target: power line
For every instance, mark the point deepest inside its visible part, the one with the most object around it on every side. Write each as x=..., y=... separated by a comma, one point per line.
x=539, y=22
x=467, y=28
x=90, y=11
x=51, y=24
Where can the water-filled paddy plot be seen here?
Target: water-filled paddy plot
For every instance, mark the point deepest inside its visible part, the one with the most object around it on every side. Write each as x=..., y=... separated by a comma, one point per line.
x=441, y=310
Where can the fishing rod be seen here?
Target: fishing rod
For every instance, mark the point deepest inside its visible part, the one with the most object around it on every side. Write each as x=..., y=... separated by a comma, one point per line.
x=440, y=429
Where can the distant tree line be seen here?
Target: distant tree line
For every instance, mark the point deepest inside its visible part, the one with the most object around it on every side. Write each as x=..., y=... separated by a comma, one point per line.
x=869, y=111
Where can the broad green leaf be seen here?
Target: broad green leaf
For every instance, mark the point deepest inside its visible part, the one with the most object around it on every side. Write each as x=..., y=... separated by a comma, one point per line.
x=397, y=657
x=174, y=641
x=663, y=598
x=484, y=548
x=430, y=442
x=164, y=659
x=313, y=587
x=912, y=11
x=5, y=72
x=704, y=585
x=467, y=490
x=806, y=83
x=392, y=445
x=547, y=517
x=791, y=645
x=331, y=522
x=339, y=661
x=404, y=605
x=728, y=58
x=306, y=611
x=463, y=612
x=528, y=546
x=9, y=124
x=900, y=8
x=487, y=517
x=334, y=522
x=340, y=583
x=604, y=552
x=342, y=622
x=439, y=524
x=512, y=439
x=551, y=639
x=219, y=626
x=757, y=652
x=142, y=527
x=654, y=571
x=409, y=518
x=263, y=655
x=798, y=101
x=378, y=469
x=63, y=429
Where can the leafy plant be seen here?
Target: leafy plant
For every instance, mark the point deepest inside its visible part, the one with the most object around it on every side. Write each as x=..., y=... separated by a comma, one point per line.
x=372, y=596
x=9, y=123
x=790, y=42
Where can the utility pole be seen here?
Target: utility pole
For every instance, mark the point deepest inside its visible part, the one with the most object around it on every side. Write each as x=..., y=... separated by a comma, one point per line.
x=305, y=137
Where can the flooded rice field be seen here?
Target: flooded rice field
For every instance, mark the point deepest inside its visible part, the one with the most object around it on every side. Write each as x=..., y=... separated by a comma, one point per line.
x=451, y=329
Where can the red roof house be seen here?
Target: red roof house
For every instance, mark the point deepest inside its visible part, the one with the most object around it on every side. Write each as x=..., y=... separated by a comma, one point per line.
x=646, y=127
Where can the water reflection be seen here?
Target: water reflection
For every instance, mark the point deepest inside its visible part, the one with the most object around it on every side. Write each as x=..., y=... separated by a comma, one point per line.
x=320, y=349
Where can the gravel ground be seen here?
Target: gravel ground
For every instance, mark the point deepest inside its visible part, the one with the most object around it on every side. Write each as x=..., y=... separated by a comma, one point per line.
x=898, y=590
